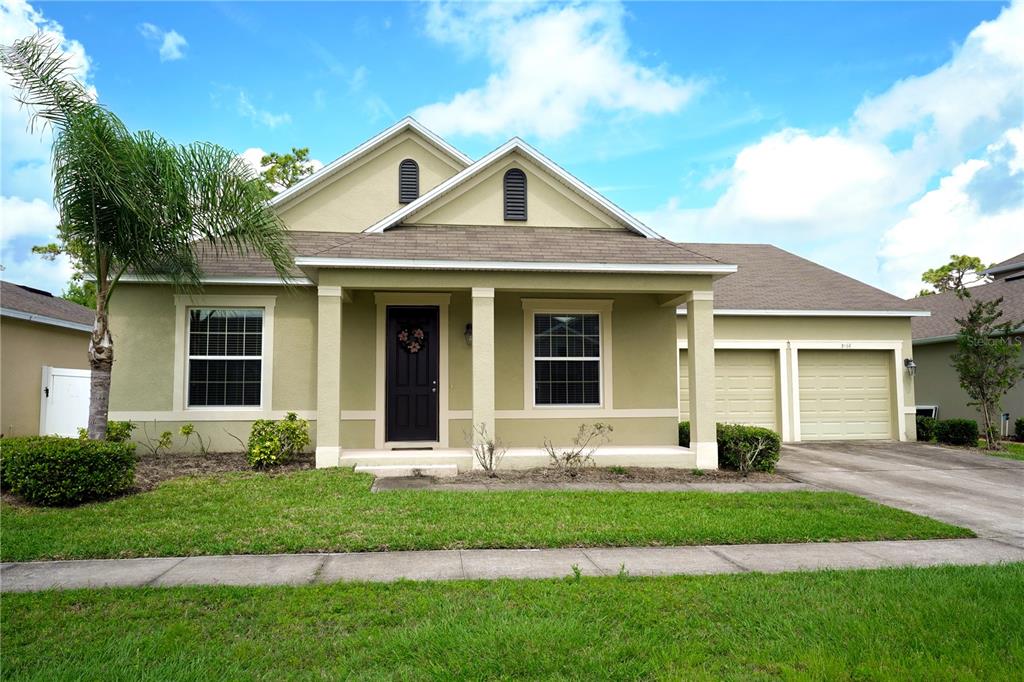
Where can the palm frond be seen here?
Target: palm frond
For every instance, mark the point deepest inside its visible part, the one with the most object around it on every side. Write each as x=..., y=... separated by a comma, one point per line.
x=42, y=75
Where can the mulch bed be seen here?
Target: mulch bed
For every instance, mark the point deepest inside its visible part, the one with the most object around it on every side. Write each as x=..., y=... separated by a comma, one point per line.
x=155, y=469
x=616, y=475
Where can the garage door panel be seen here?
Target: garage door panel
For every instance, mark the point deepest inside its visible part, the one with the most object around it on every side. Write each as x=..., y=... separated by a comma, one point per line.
x=845, y=395
x=746, y=387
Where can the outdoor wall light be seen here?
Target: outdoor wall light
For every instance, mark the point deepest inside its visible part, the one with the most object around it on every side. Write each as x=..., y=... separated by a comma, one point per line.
x=910, y=365
x=469, y=334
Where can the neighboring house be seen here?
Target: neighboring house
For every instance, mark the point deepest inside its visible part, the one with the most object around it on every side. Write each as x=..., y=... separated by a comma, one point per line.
x=38, y=330
x=938, y=387
x=434, y=294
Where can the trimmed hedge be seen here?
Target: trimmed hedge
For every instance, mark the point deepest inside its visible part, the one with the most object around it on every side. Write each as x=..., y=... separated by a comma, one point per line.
x=272, y=443
x=1018, y=429
x=926, y=427
x=957, y=432
x=52, y=471
x=733, y=441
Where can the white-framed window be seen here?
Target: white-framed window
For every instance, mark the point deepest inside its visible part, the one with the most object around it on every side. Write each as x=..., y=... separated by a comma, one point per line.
x=566, y=359
x=225, y=357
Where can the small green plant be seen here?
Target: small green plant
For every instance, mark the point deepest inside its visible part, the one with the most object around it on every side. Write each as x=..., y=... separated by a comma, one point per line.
x=576, y=573
x=53, y=471
x=623, y=573
x=926, y=428
x=155, y=446
x=697, y=472
x=188, y=431
x=117, y=432
x=957, y=432
x=748, y=448
x=588, y=439
x=272, y=443
x=1018, y=429
x=684, y=434
x=618, y=470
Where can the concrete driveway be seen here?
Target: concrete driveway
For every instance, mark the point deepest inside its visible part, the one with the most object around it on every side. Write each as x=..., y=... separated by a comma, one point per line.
x=980, y=492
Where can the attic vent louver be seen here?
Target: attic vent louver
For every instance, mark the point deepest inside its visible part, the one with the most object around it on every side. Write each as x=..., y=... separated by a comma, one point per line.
x=408, y=181
x=515, y=194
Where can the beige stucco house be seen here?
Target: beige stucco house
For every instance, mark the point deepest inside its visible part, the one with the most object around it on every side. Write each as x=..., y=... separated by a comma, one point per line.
x=938, y=388
x=434, y=294
x=38, y=331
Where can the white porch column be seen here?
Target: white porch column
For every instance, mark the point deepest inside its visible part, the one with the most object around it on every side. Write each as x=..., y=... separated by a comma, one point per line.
x=483, y=363
x=700, y=355
x=328, y=377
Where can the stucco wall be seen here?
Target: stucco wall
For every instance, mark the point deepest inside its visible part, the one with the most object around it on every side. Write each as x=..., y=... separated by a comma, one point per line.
x=937, y=384
x=25, y=348
x=480, y=202
x=367, y=191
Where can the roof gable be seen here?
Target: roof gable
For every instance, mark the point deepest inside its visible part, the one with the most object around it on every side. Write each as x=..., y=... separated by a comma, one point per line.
x=562, y=197
x=406, y=129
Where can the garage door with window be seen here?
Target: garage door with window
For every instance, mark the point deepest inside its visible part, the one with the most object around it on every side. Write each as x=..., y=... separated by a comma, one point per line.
x=746, y=387
x=845, y=394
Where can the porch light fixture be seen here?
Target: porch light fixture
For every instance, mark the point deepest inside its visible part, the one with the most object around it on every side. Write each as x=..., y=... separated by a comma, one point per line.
x=469, y=334
x=910, y=365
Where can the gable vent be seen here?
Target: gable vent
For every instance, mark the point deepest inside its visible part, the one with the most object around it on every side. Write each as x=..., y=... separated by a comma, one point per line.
x=408, y=181
x=515, y=194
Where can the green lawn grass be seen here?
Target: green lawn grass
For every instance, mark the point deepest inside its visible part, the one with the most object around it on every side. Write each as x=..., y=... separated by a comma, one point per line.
x=1010, y=450
x=925, y=624
x=334, y=510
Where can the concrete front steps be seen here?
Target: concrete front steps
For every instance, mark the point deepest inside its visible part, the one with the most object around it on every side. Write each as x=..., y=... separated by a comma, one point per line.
x=391, y=463
x=450, y=461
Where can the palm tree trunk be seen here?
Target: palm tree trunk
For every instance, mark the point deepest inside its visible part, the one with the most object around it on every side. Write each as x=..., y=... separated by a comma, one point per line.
x=101, y=359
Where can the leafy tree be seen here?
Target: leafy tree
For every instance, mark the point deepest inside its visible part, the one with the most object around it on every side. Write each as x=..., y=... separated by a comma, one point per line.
x=134, y=201
x=958, y=273
x=284, y=170
x=988, y=361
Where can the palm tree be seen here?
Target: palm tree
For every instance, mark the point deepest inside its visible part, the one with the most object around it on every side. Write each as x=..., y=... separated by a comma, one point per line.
x=135, y=202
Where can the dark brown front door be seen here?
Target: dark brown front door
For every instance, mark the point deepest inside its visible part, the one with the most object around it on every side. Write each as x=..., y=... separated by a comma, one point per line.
x=413, y=356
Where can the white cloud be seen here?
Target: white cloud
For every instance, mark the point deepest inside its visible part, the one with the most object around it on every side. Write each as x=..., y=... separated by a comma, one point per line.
x=978, y=209
x=552, y=65
x=20, y=218
x=26, y=214
x=261, y=116
x=847, y=186
x=171, y=44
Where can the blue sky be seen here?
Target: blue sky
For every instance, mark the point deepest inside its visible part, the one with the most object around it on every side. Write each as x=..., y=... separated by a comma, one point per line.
x=869, y=137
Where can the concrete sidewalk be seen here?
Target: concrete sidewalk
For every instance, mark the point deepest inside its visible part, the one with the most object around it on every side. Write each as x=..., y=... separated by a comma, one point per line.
x=305, y=569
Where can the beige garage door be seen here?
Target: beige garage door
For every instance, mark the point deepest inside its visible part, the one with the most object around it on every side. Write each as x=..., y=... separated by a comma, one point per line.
x=845, y=394
x=746, y=387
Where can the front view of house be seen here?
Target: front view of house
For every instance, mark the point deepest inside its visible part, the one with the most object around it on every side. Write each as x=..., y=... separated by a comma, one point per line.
x=436, y=298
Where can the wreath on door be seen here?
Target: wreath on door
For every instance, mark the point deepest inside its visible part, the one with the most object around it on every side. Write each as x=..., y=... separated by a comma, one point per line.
x=412, y=339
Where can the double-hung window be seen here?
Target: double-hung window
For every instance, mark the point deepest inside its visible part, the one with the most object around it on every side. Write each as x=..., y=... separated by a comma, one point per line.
x=567, y=359
x=225, y=357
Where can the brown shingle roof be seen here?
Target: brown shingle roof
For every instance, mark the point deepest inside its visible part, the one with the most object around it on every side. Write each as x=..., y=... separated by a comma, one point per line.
x=469, y=243
x=1008, y=267
x=946, y=307
x=36, y=302
x=772, y=279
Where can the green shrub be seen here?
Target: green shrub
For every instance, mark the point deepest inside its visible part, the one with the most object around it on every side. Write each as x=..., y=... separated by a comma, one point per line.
x=748, y=448
x=926, y=428
x=117, y=432
x=684, y=434
x=1018, y=429
x=52, y=471
x=957, y=431
x=272, y=443
x=736, y=443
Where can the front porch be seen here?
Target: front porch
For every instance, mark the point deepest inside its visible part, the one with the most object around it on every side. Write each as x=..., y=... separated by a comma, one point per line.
x=489, y=367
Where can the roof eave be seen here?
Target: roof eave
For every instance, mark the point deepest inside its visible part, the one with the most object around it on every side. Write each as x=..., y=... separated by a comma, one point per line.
x=756, y=312
x=45, y=319
x=714, y=269
x=328, y=171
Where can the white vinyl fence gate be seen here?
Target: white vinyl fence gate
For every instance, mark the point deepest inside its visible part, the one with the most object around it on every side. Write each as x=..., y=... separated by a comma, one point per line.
x=64, y=401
